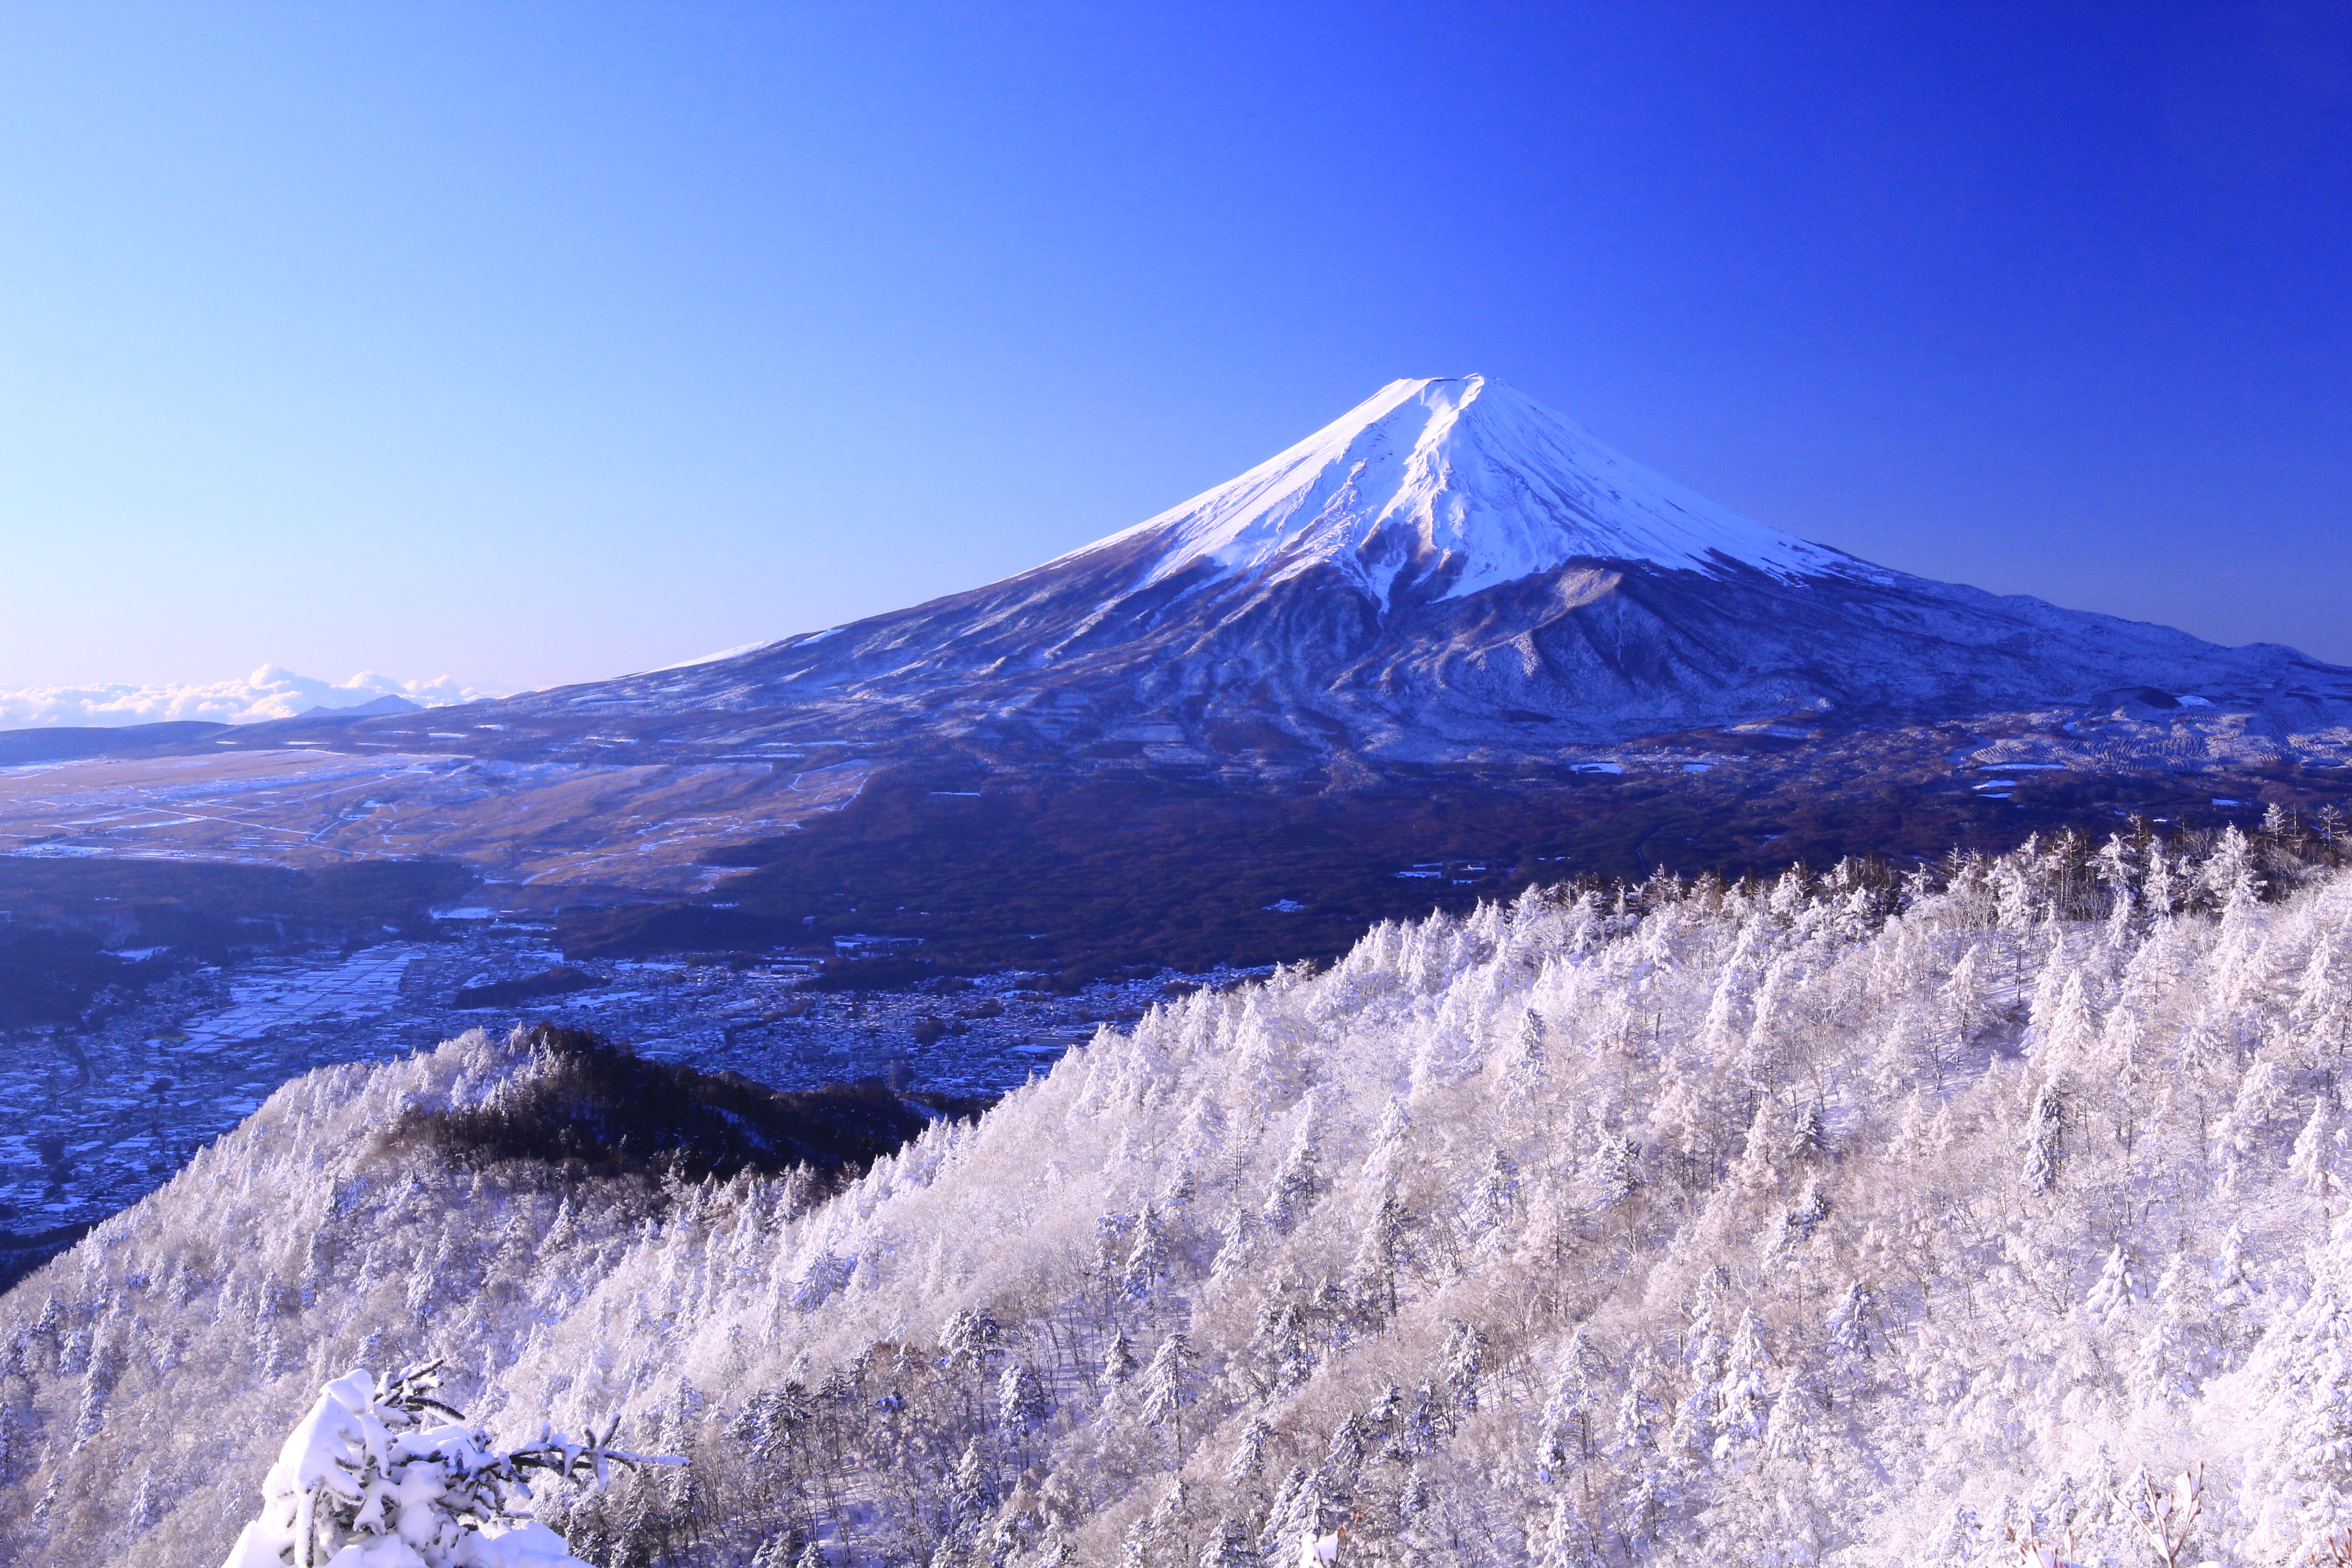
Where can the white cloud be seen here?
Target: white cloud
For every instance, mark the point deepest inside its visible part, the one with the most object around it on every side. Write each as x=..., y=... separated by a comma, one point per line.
x=270, y=692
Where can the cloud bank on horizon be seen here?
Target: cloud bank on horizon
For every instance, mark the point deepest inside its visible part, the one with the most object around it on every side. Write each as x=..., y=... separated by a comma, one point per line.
x=270, y=692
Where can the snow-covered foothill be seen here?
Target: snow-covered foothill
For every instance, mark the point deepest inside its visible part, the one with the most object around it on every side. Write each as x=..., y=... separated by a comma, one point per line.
x=1938, y=1220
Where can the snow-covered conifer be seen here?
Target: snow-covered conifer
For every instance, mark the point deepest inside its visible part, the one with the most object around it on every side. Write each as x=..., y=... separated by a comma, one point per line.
x=1616, y=1168
x=1530, y=1058
x=972, y=1483
x=1300, y=1513
x=1742, y=1397
x=2115, y=1291
x=970, y=1340
x=1463, y=1365
x=1147, y=1257
x=1298, y=1181
x=1249, y=1450
x=1565, y=1430
x=2312, y=1160
x=1233, y=1254
x=1021, y=1397
x=1496, y=1196
x=1229, y=1547
x=1955, y=1541
x=1167, y=1386
x=1849, y=1329
x=2046, y=1138
x=1118, y=1358
x=382, y=1474
x=1384, y=1248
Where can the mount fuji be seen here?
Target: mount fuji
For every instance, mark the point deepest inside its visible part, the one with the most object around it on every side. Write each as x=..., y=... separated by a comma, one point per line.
x=1448, y=574
x=1447, y=647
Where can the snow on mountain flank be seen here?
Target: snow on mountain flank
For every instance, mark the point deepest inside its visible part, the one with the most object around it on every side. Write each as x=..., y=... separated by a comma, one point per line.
x=1467, y=469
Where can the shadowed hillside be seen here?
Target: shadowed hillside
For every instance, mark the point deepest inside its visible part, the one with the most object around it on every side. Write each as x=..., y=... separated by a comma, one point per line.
x=588, y=1105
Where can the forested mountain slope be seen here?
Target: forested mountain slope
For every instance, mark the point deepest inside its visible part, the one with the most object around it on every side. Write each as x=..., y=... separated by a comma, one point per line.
x=1847, y=1221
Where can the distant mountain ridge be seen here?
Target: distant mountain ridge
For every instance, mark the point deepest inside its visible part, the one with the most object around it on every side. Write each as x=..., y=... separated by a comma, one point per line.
x=66, y=742
x=1449, y=573
x=389, y=702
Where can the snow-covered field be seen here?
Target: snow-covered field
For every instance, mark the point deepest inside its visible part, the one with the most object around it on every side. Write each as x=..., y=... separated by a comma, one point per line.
x=551, y=825
x=364, y=985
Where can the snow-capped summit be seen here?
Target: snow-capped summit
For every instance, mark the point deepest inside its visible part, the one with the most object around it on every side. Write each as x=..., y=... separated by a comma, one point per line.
x=1468, y=479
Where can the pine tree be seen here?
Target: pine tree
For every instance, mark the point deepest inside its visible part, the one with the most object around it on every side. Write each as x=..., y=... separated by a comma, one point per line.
x=1742, y=1399
x=1146, y=1258
x=1345, y=1453
x=1953, y=1543
x=1249, y=1450
x=1279, y=1512
x=376, y=1462
x=970, y=1340
x=2312, y=1160
x=1564, y=1434
x=1233, y=1256
x=1229, y=1547
x=1295, y=1184
x=1497, y=1196
x=1616, y=1168
x=973, y=1484
x=1385, y=1248
x=1167, y=1520
x=1168, y=1388
x=1021, y=1397
x=2116, y=1290
x=1850, y=1322
x=2045, y=1139
x=1296, y=1515
x=1465, y=1364
x=1119, y=1361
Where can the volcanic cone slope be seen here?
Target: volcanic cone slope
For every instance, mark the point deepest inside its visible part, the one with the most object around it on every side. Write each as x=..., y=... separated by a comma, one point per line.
x=1449, y=572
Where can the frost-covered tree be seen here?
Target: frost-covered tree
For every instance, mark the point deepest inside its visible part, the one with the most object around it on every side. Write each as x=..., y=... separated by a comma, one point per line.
x=380, y=1473
x=1168, y=1388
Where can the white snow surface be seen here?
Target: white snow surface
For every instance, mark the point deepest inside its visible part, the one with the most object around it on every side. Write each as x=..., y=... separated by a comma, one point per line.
x=736, y=652
x=344, y=1451
x=1467, y=468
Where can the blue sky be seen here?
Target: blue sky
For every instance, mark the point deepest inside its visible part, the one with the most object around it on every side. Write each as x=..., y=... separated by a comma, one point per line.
x=530, y=343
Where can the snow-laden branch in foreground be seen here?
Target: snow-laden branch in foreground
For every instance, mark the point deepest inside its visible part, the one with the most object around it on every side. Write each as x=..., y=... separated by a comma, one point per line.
x=382, y=1475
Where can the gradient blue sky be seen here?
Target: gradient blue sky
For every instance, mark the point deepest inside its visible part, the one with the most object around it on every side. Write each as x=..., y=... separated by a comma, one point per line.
x=531, y=343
